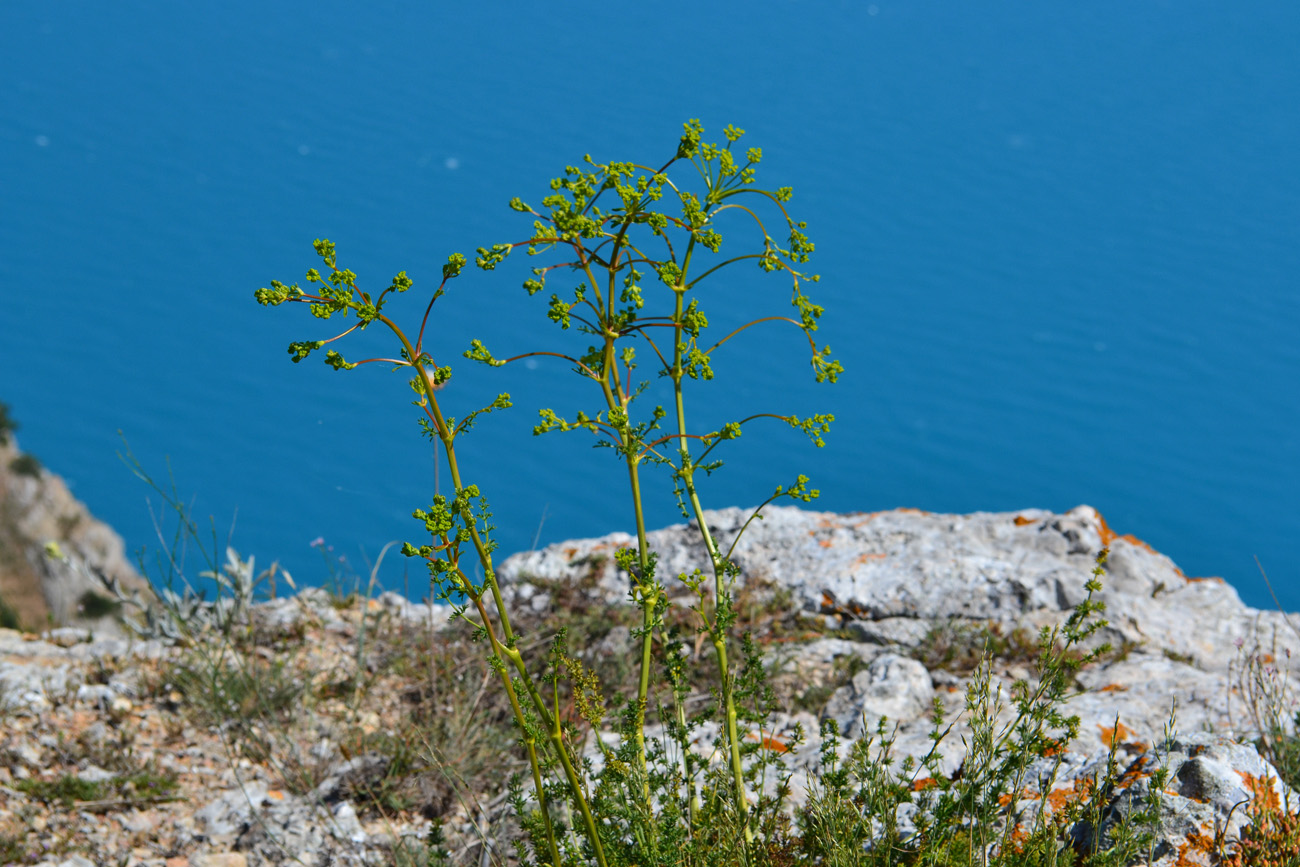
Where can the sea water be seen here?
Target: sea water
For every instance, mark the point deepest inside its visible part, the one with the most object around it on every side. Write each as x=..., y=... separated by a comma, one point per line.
x=1058, y=248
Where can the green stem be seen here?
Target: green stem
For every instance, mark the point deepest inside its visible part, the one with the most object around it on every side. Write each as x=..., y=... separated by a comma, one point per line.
x=648, y=598
x=719, y=588
x=506, y=651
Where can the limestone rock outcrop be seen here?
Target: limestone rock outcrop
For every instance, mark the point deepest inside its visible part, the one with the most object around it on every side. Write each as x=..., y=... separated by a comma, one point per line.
x=881, y=602
x=54, y=555
x=892, y=584
x=890, y=578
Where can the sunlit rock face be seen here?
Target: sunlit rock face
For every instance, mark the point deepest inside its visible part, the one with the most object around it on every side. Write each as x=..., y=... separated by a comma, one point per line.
x=55, y=557
x=888, y=579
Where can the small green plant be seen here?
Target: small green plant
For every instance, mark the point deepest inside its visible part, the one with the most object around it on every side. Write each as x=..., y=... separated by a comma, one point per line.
x=8, y=617
x=234, y=690
x=431, y=851
x=13, y=848
x=7, y=424
x=94, y=605
x=960, y=645
x=341, y=582
x=67, y=790
x=26, y=465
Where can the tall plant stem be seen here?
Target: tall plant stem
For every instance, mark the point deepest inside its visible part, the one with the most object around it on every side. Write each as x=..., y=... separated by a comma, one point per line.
x=649, y=601
x=717, y=633
x=648, y=597
x=506, y=651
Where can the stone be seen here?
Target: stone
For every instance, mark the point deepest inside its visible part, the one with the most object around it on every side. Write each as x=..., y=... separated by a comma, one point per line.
x=94, y=774
x=906, y=632
x=218, y=859
x=892, y=686
x=1212, y=783
x=25, y=753
x=346, y=824
x=28, y=687
x=77, y=861
x=890, y=576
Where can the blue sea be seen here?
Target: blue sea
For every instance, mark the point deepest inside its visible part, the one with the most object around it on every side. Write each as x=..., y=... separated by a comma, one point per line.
x=1058, y=247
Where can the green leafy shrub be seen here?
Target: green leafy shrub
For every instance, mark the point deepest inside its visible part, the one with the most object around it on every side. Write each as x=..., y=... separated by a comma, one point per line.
x=8, y=617
x=26, y=465
x=7, y=424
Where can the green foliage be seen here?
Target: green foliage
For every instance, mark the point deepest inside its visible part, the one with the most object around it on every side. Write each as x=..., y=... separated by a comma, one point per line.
x=8, y=616
x=7, y=424
x=26, y=465
x=142, y=787
x=233, y=688
x=94, y=605
x=611, y=225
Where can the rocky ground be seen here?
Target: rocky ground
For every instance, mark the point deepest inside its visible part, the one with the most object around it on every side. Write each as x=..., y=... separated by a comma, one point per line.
x=321, y=730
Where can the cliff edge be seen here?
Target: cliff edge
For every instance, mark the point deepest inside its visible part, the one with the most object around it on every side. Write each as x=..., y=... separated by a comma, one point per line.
x=55, y=557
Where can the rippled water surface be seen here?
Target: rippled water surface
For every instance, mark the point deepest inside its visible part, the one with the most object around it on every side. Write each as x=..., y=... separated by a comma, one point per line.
x=1058, y=250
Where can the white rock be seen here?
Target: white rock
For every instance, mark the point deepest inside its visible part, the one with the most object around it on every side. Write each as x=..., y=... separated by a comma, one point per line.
x=94, y=774
x=892, y=686
x=346, y=824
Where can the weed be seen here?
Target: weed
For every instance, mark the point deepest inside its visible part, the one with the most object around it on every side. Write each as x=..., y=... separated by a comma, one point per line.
x=1175, y=656
x=959, y=645
x=68, y=790
x=8, y=617
x=7, y=425
x=25, y=465
x=93, y=606
x=65, y=790
x=431, y=851
x=235, y=691
x=608, y=308
x=13, y=849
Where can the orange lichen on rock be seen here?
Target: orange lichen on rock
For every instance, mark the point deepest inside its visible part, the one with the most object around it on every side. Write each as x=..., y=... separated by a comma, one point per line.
x=769, y=742
x=924, y=783
x=852, y=610
x=1196, y=851
x=1263, y=795
x=1052, y=749
x=1136, y=771
x=1022, y=521
x=1114, y=687
x=1027, y=795
x=863, y=558
x=1118, y=733
x=1108, y=536
x=1059, y=799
